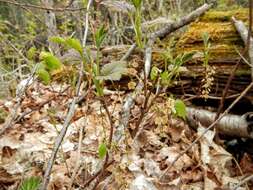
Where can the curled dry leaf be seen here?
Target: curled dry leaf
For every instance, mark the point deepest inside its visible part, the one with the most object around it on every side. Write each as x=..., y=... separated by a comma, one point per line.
x=170, y=153
x=142, y=182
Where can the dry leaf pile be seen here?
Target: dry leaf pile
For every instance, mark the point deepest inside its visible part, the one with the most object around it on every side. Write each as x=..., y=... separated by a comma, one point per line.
x=145, y=164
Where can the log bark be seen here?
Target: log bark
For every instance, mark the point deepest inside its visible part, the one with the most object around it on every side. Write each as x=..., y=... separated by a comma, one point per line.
x=182, y=22
x=232, y=125
x=243, y=31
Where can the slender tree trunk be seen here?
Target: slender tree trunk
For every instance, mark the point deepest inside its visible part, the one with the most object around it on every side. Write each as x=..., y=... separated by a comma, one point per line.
x=50, y=21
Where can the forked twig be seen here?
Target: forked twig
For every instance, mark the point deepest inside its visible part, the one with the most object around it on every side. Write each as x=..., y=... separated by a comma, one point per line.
x=207, y=129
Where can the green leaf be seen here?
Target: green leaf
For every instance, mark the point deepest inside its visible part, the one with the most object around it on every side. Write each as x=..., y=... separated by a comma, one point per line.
x=137, y=3
x=178, y=61
x=31, y=183
x=187, y=56
x=205, y=37
x=40, y=65
x=165, y=78
x=75, y=44
x=102, y=150
x=100, y=36
x=112, y=71
x=44, y=76
x=58, y=40
x=99, y=88
x=31, y=53
x=51, y=62
x=44, y=54
x=154, y=73
x=180, y=108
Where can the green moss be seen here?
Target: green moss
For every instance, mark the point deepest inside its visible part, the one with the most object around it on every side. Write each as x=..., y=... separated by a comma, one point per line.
x=224, y=38
x=223, y=16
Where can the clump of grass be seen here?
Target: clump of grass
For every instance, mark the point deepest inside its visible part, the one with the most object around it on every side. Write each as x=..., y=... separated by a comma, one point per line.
x=31, y=183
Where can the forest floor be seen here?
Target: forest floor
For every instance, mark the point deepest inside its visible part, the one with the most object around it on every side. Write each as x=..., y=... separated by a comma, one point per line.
x=138, y=164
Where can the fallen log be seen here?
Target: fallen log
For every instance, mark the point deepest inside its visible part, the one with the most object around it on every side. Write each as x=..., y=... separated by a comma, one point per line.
x=243, y=31
x=223, y=55
x=231, y=125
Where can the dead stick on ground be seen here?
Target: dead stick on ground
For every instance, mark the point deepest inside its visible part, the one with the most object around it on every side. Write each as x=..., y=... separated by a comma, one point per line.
x=243, y=182
x=13, y=115
x=129, y=52
x=96, y=175
x=207, y=129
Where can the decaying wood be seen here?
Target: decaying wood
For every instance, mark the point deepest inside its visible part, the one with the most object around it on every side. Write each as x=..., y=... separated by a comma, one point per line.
x=190, y=80
x=225, y=45
x=232, y=125
x=243, y=31
x=182, y=22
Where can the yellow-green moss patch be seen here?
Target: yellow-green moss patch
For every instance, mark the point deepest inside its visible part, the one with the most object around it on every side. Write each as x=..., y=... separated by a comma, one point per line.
x=223, y=36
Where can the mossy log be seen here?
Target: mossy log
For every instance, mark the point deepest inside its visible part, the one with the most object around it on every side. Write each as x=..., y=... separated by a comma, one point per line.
x=225, y=45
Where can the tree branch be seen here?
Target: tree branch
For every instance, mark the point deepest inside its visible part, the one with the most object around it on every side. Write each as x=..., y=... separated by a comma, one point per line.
x=40, y=7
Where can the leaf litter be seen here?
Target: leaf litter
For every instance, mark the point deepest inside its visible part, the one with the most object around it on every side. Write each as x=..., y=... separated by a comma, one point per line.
x=26, y=146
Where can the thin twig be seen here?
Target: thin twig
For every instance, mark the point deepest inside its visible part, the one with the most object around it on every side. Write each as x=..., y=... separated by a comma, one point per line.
x=146, y=107
x=243, y=182
x=247, y=47
x=244, y=59
x=129, y=100
x=129, y=52
x=86, y=23
x=77, y=165
x=14, y=48
x=96, y=175
x=110, y=120
x=207, y=129
x=240, y=169
x=19, y=97
x=41, y=7
x=38, y=18
x=100, y=173
x=69, y=116
x=38, y=107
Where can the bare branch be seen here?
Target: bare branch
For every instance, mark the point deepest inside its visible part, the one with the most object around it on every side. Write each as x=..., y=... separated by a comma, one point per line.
x=207, y=129
x=40, y=7
x=243, y=31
